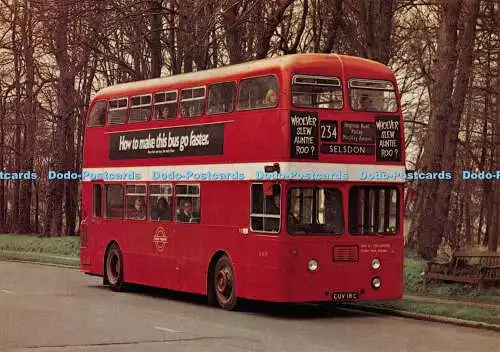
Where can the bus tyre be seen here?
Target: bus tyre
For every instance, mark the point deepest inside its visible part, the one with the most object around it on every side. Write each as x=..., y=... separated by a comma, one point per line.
x=224, y=284
x=113, y=270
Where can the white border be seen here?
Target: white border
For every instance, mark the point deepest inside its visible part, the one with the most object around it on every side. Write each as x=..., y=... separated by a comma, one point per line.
x=249, y=171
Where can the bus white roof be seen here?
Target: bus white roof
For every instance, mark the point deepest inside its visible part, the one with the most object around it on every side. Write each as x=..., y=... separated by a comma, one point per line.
x=224, y=72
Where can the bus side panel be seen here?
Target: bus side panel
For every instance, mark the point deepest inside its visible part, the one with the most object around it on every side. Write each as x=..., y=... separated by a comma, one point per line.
x=255, y=256
x=225, y=213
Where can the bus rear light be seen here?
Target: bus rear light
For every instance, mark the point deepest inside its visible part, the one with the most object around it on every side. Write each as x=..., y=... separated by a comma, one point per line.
x=376, y=283
x=345, y=254
x=376, y=263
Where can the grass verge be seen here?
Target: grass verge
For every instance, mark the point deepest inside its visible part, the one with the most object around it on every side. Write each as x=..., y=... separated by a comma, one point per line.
x=49, y=250
x=40, y=258
x=62, y=246
x=414, y=284
x=450, y=310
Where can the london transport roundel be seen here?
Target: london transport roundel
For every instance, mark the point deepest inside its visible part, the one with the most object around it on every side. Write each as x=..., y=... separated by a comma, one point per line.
x=160, y=239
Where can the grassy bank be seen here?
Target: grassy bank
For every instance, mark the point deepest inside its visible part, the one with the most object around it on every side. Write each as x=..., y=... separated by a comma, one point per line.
x=59, y=246
x=450, y=310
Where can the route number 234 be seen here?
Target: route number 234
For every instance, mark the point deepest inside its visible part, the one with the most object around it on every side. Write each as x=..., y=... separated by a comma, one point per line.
x=329, y=131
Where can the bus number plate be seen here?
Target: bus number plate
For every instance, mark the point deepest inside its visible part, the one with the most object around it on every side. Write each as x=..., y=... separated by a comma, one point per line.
x=345, y=296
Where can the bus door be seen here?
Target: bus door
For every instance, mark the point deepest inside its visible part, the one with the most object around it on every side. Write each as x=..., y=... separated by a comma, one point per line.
x=93, y=221
x=262, y=251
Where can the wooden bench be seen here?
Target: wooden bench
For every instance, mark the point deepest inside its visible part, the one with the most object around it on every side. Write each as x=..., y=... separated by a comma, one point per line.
x=477, y=268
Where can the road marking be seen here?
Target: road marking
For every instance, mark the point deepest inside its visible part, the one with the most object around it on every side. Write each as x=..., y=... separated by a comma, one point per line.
x=7, y=292
x=166, y=329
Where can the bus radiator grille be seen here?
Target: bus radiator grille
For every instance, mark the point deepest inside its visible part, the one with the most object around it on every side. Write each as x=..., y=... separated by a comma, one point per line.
x=345, y=254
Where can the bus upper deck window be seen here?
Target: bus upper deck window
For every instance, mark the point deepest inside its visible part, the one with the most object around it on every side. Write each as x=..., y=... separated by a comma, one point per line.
x=140, y=108
x=193, y=102
x=97, y=115
x=258, y=93
x=317, y=92
x=372, y=95
x=117, y=111
x=221, y=97
x=165, y=105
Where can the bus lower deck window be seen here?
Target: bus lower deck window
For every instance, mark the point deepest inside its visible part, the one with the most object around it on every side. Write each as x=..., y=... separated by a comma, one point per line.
x=315, y=211
x=188, y=209
x=266, y=208
x=97, y=199
x=136, y=202
x=160, y=201
x=114, y=201
x=373, y=210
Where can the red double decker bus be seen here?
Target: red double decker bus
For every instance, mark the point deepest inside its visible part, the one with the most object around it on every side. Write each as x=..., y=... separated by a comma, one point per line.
x=277, y=180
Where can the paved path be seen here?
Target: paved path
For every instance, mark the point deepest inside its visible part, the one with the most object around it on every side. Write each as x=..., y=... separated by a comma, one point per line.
x=52, y=309
x=430, y=299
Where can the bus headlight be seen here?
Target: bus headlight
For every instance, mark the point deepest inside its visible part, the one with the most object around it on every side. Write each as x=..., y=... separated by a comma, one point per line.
x=376, y=283
x=376, y=263
x=313, y=265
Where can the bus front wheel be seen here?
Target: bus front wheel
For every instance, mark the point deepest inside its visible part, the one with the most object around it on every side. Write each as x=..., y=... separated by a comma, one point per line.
x=114, y=268
x=224, y=284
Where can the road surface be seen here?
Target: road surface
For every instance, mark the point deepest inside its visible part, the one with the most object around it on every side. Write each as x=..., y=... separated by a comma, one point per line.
x=53, y=309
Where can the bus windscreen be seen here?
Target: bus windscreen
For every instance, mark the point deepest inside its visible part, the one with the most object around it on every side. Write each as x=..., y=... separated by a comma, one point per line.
x=315, y=211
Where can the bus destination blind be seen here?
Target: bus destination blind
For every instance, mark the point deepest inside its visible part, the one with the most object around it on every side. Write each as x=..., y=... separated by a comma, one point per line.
x=168, y=142
x=388, y=138
x=358, y=132
x=304, y=135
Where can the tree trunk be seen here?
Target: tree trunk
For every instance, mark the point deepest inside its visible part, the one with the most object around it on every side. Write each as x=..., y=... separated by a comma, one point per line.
x=29, y=118
x=428, y=225
x=465, y=57
x=2, y=167
x=18, y=123
x=155, y=44
x=268, y=28
x=376, y=19
x=65, y=102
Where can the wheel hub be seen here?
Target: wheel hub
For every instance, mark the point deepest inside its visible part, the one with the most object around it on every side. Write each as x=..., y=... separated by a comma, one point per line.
x=224, y=283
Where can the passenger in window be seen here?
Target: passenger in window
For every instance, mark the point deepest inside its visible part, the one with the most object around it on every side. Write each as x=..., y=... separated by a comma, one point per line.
x=366, y=103
x=293, y=219
x=274, y=205
x=163, y=210
x=293, y=212
x=186, y=111
x=164, y=113
x=139, y=209
x=186, y=214
x=271, y=98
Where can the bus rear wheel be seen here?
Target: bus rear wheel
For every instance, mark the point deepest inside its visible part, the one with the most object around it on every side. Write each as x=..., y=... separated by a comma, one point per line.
x=224, y=284
x=114, y=268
